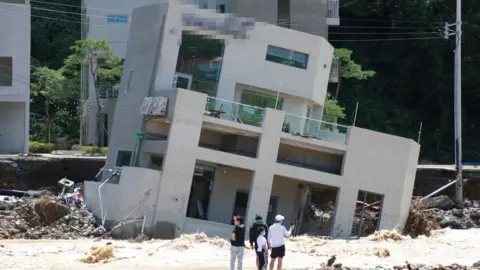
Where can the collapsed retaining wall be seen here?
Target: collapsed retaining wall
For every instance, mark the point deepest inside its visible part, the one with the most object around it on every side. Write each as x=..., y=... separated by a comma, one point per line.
x=43, y=171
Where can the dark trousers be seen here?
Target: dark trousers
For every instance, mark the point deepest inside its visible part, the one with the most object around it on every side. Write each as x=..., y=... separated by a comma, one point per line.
x=262, y=260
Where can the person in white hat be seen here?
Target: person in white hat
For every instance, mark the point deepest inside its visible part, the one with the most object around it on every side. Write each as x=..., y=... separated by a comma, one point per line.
x=276, y=237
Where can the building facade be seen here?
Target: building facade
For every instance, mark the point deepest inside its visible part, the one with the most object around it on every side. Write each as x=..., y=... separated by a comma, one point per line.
x=256, y=146
x=110, y=20
x=14, y=76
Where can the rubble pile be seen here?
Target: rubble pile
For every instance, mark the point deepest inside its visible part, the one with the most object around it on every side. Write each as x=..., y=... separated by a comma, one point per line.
x=446, y=213
x=44, y=216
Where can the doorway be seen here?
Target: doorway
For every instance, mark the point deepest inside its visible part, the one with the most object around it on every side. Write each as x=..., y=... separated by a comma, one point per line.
x=241, y=203
x=200, y=192
x=182, y=80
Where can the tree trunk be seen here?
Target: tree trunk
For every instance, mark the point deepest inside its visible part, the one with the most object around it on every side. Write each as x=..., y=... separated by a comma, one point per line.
x=99, y=106
x=338, y=84
x=48, y=121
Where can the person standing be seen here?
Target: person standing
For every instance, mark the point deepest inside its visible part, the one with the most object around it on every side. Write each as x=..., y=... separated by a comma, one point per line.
x=276, y=237
x=261, y=249
x=255, y=232
x=238, y=243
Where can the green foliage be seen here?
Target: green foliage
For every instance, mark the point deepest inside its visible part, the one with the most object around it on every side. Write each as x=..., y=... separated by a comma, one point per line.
x=349, y=69
x=94, y=150
x=39, y=147
x=332, y=110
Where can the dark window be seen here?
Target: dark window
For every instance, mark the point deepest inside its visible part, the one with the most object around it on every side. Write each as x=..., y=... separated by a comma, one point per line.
x=221, y=8
x=287, y=57
x=123, y=158
x=6, y=71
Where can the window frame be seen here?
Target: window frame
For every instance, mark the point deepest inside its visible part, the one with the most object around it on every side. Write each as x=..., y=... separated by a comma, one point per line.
x=9, y=71
x=117, y=18
x=291, y=59
x=117, y=156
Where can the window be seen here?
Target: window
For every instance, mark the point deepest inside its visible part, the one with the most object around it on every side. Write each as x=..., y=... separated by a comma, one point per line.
x=287, y=57
x=221, y=8
x=123, y=158
x=117, y=18
x=6, y=71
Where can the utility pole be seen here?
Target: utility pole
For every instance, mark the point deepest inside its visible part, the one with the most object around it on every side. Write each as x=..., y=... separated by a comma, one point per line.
x=457, y=98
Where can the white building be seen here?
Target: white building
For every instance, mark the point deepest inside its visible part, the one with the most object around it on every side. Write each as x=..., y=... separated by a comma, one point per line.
x=110, y=20
x=246, y=139
x=14, y=75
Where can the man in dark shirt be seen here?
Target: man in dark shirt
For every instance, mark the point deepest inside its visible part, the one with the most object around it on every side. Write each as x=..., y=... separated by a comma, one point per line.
x=254, y=232
x=238, y=243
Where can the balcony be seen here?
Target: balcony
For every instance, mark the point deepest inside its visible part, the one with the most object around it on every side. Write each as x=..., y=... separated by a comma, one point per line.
x=333, y=14
x=315, y=129
x=235, y=112
x=107, y=92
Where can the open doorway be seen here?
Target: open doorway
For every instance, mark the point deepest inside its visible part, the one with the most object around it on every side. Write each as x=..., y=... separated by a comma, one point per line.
x=241, y=204
x=367, y=213
x=200, y=192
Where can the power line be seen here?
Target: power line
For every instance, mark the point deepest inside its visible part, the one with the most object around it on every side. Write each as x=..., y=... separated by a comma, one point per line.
x=349, y=3
x=80, y=7
x=393, y=21
x=376, y=33
x=392, y=39
x=384, y=27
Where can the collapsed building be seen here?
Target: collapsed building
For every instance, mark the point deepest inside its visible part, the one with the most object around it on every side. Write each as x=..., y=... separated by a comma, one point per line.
x=235, y=128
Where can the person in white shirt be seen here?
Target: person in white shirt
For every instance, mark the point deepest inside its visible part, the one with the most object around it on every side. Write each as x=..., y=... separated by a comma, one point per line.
x=276, y=237
x=262, y=249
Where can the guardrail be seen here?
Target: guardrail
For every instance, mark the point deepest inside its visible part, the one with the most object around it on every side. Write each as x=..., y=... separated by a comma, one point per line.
x=316, y=129
x=234, y=111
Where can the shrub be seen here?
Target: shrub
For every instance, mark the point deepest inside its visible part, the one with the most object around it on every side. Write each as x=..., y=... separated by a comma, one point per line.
x=94, y=150
x=39, y=147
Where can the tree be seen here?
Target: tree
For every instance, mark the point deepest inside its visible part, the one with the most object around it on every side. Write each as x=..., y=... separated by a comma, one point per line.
x=347, y=68
x=103, y=65
x=50, y=84
x=332, y=110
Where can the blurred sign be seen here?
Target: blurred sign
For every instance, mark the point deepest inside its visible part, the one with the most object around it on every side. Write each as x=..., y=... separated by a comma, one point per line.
x=227, y=24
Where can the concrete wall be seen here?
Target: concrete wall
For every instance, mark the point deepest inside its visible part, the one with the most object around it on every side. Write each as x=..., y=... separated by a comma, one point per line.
x=143, y=46
x=13, y=127
x=377, y=163
x=249, y=55
x=15, y=33
x=374, y=162
x=230, y=180
x=118, y=200
x=14, y=117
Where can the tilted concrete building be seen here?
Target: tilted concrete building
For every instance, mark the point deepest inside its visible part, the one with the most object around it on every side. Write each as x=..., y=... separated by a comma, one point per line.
x=241, y=134
x=110, y=20
x=14, y=75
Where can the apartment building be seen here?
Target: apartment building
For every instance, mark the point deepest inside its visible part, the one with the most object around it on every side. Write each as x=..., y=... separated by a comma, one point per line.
x=225, y=119
x=14, y=75
x=110, y=20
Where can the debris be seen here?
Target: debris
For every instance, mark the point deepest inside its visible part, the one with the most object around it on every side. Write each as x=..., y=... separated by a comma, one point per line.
x=381, y=252
x=386, y=234
x=97, y=254
x=331, y=261
x=419, y=222
x=46, y=217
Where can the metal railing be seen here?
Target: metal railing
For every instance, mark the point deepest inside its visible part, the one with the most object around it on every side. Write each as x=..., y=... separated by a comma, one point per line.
x=235, y=112
x=107, y=91
x=312, y=128
x=283, y=22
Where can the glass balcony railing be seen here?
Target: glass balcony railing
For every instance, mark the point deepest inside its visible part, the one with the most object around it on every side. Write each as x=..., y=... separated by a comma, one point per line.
x=316, y=129
x=107, y=91
x=235, y=112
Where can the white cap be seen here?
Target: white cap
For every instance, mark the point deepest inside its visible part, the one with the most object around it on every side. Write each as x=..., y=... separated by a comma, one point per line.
x=279, y=218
